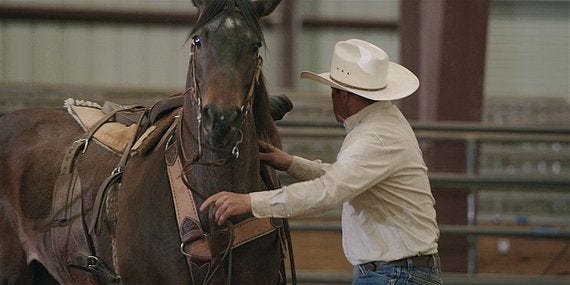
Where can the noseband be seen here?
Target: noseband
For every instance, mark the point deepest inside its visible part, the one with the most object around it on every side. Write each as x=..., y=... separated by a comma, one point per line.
x=197, y=95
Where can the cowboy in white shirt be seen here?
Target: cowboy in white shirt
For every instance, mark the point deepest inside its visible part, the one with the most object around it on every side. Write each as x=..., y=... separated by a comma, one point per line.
x=389, y=223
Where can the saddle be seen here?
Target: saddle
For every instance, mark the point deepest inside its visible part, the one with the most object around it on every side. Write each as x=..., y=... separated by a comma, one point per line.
x=125, y=130
x=115, y=132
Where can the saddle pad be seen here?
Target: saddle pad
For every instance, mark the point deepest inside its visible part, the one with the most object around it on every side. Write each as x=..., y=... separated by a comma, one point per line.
x=113, y=135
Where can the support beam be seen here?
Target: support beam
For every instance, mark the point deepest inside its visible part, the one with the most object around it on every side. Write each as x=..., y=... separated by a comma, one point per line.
x=444, y=43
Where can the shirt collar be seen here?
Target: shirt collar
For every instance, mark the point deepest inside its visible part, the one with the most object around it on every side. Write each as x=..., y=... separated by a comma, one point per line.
x=355, y=119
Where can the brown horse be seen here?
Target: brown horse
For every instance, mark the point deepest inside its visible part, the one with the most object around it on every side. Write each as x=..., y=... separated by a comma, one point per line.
x=225, y=112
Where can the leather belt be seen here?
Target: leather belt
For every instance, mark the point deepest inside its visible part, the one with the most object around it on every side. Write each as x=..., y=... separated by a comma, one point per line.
x=430, y=261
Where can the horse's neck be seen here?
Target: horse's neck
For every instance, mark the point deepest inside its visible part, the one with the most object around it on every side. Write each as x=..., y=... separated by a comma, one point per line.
x=239, y=175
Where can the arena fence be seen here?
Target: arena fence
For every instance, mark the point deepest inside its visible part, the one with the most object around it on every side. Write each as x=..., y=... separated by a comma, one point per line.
x=472, y=134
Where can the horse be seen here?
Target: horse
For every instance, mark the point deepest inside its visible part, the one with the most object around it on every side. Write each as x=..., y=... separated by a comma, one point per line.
x=213, y=139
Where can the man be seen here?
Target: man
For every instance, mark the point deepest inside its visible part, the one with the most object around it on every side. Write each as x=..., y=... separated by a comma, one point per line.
x=389, y=223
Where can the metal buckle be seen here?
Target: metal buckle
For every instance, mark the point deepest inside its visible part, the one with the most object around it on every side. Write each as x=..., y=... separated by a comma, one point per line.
x=117, y=170
x=84, y=142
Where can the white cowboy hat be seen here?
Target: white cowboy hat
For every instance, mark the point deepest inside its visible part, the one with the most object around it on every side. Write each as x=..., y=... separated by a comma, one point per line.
x=364, y=69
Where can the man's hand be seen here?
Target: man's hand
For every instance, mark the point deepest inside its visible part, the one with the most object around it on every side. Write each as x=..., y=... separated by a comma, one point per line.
x=227, y=204
x=273, y=156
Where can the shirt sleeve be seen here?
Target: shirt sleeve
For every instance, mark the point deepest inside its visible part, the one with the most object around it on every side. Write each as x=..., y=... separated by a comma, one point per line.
x=359, y=166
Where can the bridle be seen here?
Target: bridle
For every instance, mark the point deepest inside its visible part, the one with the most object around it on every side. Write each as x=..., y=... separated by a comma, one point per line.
x=197, y=96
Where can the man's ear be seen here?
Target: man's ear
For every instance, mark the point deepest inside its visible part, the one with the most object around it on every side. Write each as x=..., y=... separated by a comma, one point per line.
x=265, y=7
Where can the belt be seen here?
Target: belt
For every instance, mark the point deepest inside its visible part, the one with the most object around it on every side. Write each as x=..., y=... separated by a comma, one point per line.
x=430, y=261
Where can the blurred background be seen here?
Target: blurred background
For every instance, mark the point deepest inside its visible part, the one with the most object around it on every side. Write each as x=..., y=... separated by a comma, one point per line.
x=492, y=113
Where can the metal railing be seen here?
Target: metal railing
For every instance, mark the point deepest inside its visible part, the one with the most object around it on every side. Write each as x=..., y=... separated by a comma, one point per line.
x=471, y=134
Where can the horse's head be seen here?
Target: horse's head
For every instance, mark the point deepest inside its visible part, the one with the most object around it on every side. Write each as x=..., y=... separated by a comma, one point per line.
x=225, y=65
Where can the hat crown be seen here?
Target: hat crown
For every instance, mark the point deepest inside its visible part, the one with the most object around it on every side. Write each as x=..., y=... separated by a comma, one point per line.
x=359, y=64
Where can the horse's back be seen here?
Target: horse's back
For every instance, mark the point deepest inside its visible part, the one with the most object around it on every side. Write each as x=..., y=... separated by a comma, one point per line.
x=33, y=142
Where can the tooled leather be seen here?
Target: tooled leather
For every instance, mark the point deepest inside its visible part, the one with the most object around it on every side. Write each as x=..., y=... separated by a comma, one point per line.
x=204, y=250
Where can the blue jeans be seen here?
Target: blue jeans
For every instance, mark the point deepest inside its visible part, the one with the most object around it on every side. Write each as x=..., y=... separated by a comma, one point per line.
x=398, y=275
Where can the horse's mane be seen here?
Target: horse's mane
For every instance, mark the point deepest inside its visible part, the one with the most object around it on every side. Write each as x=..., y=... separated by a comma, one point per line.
x=261, y=111
x=245, y=7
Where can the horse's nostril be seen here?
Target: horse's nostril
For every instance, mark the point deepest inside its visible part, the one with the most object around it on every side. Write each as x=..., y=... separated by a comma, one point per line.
x=218, y=120
x=207, y=112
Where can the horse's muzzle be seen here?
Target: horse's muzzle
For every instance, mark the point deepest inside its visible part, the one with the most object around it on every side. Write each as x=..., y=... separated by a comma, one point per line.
x=222, y=126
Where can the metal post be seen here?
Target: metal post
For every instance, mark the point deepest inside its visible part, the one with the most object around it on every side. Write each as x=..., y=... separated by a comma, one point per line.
x=471, y=161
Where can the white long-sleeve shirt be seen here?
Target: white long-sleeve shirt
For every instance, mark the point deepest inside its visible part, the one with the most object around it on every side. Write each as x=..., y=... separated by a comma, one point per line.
x=381, y=179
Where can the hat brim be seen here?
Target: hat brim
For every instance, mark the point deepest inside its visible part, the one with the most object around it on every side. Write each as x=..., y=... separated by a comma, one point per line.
x=401, y=83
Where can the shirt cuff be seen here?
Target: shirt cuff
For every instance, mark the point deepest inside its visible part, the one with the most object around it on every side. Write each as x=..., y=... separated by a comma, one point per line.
x=304, y=169
x=266, y=204
x=259, y=208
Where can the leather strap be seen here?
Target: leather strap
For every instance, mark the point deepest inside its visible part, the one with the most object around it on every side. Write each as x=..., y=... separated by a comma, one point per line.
x=199, y=255
x=71, y=242
x=113, y=179
x=165, y=106
x=69, y=239
x=427, y=261
x=250, y=229
x=196, y=244
x=244, y=232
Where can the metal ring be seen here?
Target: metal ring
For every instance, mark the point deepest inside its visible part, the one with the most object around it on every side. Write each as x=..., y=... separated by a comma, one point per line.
x=235, y=152
x=203, y=236
x=169, y=141
x=92, y=260
x=184, y=252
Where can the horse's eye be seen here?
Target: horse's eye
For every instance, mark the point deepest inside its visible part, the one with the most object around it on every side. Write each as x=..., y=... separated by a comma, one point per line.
x=196, y=41
x=256, y=47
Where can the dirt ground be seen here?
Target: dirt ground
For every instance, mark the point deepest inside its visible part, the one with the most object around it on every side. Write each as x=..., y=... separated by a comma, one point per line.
x=322, y=251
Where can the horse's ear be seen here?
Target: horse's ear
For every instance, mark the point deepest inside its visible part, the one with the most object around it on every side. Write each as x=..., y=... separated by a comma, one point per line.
x=265, y=7
x=200, y=4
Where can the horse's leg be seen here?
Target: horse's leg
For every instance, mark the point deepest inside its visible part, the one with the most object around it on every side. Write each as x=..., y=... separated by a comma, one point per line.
x=13, y=265
x=41, y=275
